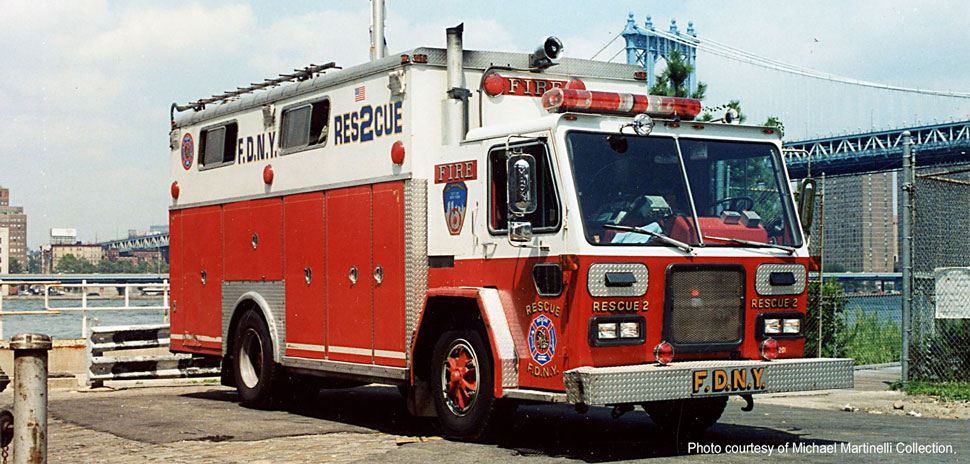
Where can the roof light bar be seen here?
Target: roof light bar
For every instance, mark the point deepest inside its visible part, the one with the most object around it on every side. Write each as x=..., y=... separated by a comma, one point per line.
x=559, y=100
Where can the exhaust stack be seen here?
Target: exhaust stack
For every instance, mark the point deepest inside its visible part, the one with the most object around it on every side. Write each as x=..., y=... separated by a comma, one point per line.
x=378, y=47
x=456, y=108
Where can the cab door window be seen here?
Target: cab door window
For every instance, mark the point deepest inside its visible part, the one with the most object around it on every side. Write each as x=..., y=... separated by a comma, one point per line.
x=547, y=216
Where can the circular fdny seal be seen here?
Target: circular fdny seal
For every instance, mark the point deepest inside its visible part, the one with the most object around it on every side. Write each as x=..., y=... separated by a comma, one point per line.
x=188, y=151
x=542, y=340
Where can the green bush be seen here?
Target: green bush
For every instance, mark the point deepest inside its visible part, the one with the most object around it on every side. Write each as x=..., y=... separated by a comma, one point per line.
x=871, y=340
x=833, y=319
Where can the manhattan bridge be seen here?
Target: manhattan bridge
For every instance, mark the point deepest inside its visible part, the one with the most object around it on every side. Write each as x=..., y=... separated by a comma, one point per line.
x=847, y=130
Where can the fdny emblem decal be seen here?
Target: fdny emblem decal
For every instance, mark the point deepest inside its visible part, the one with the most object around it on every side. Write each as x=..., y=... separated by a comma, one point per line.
x=542, y=340
x=455, y=199
x=188, y=151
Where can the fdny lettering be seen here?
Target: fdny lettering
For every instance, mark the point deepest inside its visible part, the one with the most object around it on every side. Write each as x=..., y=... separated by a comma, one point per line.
x=368, y=123
x=543, y=307
x=611, y=306
x=774, y=303
x=721, y=380
x=542, y=372
x=524, y=87
x=250, y=149
x=456, y=172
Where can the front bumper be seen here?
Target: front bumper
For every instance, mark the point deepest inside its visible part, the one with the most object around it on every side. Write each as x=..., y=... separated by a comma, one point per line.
x=602, y=386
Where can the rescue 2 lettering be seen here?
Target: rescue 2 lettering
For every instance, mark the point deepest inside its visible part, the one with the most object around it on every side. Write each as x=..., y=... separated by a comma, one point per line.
x=774, y=303
x=368, y=123
x=611, y=306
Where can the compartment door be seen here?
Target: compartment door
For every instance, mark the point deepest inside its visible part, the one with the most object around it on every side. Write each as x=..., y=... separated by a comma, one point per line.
x=305, y=276
x=349, y=288
x=387, y=274
x=201, y=301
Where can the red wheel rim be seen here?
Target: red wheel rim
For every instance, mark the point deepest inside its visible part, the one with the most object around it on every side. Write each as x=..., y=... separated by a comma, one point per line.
x=459, y=377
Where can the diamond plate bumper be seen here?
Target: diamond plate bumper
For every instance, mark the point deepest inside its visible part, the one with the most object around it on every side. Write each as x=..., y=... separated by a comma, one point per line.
x=601, y=386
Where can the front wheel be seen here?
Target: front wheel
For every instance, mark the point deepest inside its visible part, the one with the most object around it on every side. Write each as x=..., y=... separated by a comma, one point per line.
x=689, y=416
x=462, y=385
x=254, y=367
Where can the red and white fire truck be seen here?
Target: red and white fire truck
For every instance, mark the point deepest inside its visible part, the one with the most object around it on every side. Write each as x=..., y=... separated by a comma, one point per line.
x=483, y=229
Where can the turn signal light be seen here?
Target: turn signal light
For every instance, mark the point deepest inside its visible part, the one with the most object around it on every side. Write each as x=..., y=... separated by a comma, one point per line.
x=568, y=263
x=175, y=190
x=397, y=152
x=769, y=349
x=664, y=353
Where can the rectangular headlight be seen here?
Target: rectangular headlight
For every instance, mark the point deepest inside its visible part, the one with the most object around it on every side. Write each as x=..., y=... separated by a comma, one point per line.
x=772, y=326
x=629, y=330
x=606, y=330
x=792, y=326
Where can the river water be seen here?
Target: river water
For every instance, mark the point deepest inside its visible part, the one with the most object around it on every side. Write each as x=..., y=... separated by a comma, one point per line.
x=67, y=325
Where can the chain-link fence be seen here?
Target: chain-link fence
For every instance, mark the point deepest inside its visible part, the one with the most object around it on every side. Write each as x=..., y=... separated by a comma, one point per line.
x=864, y=326
x=940, y=342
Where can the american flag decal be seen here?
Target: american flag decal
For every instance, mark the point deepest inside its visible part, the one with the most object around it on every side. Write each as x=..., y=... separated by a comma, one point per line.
x=359, y=94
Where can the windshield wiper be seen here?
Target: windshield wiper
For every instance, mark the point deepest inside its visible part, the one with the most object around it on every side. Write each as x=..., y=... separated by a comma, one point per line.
x=661, y=237
x=739, y=241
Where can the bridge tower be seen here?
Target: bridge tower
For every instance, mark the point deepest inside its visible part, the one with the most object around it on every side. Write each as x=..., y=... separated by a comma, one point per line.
x=644, y=46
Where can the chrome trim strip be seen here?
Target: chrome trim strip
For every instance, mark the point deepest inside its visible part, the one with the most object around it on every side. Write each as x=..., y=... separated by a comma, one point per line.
x=306, y=347
x=355, y=369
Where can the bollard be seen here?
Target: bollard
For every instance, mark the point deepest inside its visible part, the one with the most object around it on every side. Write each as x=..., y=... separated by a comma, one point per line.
x=30, y=398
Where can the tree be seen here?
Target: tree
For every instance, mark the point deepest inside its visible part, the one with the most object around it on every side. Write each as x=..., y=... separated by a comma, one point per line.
x=33, y=265
x=773, y=121
x=69, y=264
x=14, y=267
x=670, y=83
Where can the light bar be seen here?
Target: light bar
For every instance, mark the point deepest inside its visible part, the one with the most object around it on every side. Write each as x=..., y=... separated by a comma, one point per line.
x=559, y=100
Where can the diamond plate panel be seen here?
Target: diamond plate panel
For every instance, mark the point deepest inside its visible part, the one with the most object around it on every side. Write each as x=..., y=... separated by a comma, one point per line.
x=503, y=337
x=596, y=279
x=415, y=255
x=601, y=386
x=763, y=286
x=273, y=305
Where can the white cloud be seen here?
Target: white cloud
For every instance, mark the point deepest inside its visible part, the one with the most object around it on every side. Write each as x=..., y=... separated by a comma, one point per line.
x=171, y=33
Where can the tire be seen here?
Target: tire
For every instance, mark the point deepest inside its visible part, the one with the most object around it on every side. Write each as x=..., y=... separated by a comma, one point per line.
x=462, y=386
x=692, y=415
x=253, y=366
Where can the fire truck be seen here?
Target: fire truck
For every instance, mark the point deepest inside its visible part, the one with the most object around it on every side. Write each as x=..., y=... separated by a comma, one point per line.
x=486, y=229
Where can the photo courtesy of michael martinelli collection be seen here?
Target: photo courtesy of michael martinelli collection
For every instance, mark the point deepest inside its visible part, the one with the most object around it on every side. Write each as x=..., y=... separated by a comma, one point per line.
x=889, y=448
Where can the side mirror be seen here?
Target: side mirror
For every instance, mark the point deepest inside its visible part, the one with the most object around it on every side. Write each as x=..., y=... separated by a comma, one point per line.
x=520, y=231
x=806, y=202
x=520, y=170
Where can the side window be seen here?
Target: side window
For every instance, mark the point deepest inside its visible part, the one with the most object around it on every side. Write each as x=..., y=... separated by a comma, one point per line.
x=218, y=145
x=546, y=218
x=305, y=126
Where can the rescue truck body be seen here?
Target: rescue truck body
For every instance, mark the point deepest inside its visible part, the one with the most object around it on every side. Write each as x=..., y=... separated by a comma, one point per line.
x=532, y=238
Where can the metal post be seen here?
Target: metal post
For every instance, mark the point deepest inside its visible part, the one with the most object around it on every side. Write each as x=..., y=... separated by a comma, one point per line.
x=30, y=398
x=906, y=251
x=84, y=306
x=821, y=261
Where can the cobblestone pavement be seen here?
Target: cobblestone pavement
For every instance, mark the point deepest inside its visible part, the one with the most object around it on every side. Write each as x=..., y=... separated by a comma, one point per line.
x=75, y=444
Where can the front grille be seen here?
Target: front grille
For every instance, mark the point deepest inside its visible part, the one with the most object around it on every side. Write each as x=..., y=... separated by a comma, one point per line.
x=704, y=306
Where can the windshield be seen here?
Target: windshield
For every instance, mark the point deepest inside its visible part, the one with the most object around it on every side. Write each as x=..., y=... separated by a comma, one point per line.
x=628, y=180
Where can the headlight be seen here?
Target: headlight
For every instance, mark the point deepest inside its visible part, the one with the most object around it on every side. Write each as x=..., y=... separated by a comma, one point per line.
x=629, y=330
x=772, y=326
x=792, y=326
x=606, y=330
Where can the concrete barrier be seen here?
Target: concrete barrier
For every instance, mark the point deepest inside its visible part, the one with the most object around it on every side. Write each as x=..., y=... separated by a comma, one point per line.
x=118, y=353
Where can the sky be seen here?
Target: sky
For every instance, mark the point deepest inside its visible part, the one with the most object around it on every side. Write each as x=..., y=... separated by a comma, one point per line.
x=86, y=85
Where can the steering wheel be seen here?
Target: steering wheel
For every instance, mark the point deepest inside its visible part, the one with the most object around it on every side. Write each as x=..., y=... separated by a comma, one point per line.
x=733, y=204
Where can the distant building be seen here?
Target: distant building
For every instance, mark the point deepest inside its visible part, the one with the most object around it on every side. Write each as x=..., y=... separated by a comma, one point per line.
x=5, y=250
x=53, y=253
x=859, y=224
x=13, y=218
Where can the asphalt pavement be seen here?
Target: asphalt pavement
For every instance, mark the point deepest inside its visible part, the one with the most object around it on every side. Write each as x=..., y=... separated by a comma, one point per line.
x=204, y=423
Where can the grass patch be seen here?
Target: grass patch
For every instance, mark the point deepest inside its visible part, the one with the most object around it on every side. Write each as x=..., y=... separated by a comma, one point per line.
x=954, y=390
x=871, y=340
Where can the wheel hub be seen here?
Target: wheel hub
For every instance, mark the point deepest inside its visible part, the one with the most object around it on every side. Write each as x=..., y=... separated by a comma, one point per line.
x=459, y=375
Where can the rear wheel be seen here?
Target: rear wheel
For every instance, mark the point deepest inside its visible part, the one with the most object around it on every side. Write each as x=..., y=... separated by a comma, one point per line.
x=462, y=385
x=689, y=416
x=254, y=368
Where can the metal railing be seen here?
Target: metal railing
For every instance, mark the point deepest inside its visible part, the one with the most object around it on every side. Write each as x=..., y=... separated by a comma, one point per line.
x=85, y=308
